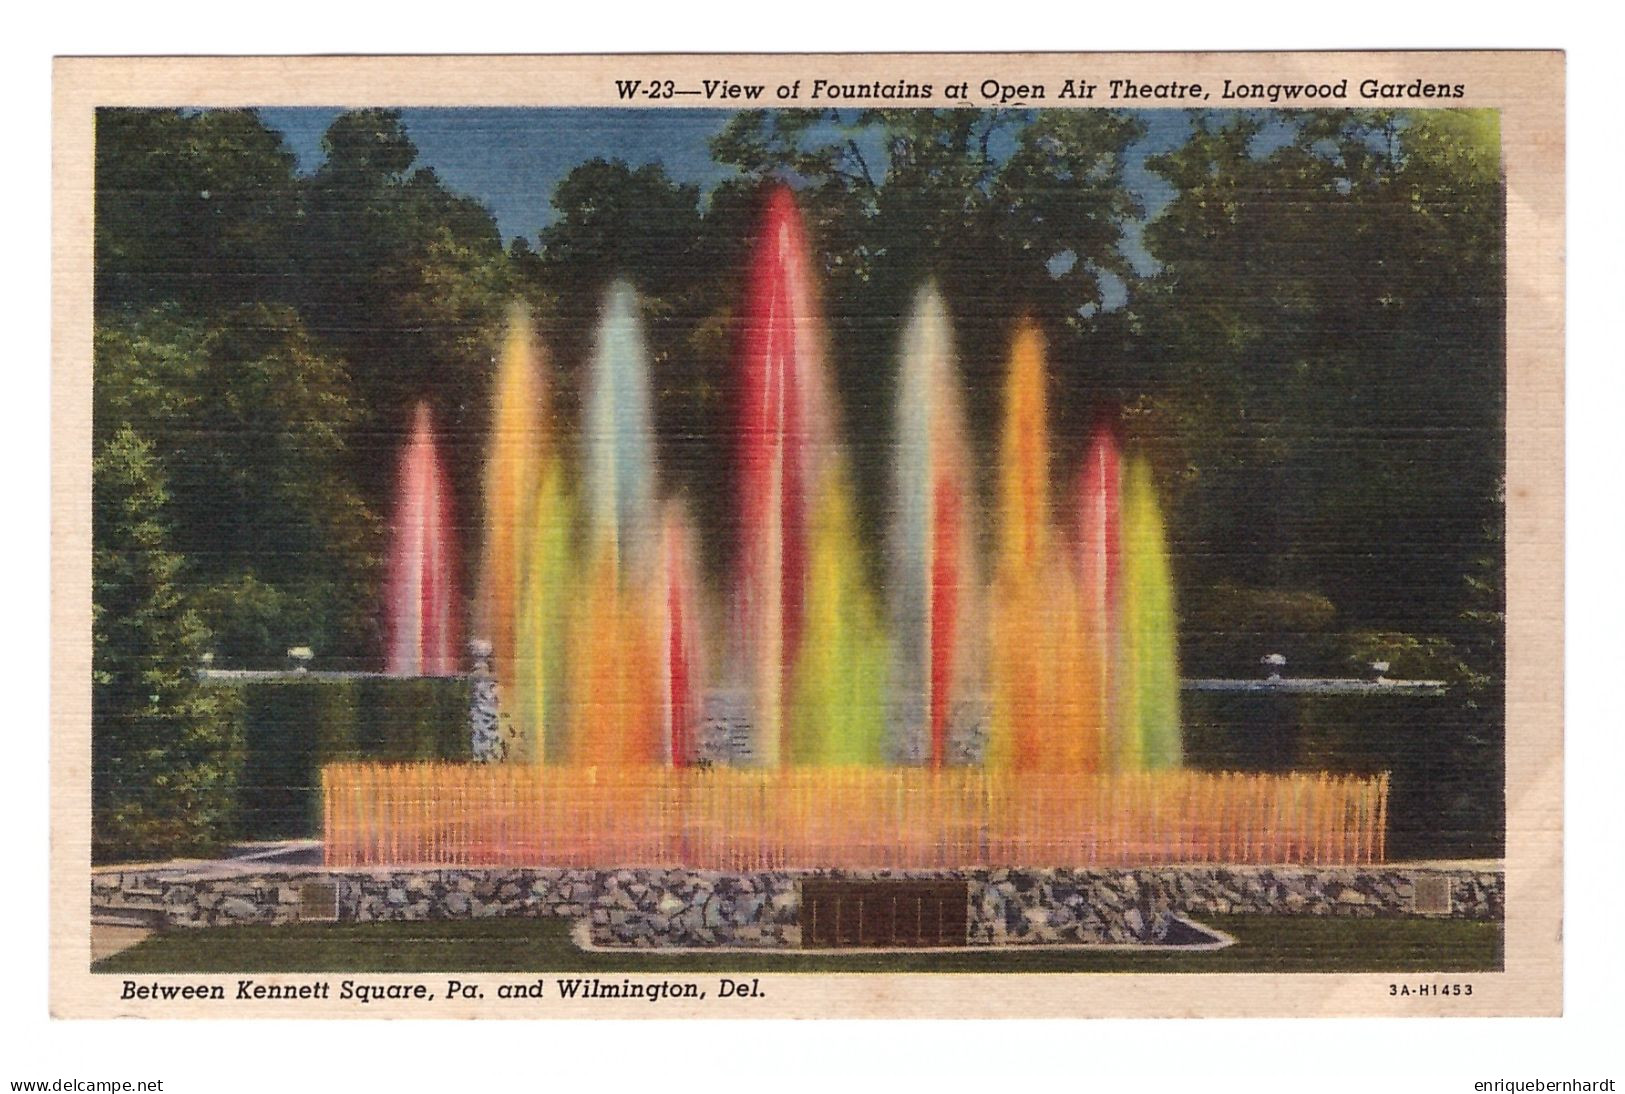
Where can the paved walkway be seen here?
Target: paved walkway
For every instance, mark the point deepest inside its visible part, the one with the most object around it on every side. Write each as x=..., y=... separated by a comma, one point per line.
x=107, y=939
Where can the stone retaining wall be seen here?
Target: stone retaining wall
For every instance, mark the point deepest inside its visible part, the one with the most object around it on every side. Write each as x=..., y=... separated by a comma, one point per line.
x=676, y=907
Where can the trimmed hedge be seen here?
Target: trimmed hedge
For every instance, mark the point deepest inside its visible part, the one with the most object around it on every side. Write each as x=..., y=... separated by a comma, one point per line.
x=291, y=727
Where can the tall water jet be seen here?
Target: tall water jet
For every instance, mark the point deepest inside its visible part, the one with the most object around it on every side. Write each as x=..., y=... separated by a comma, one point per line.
x=934, y=581
x=421, y=602
x=1037, y=682
x=785, y=434
x=615, y=703
x=682, y=664
x=615, y=654
x=536, y=695
x=1098, y=576
x=1147, y=727
x=1024, y=456
x=838, y=686
x=516, y=448
x=618, y=465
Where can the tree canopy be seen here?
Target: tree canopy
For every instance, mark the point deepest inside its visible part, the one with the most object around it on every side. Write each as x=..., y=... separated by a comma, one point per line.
x=1328, y=316
x=270, y=333
x=164, y=750
x=249, y=421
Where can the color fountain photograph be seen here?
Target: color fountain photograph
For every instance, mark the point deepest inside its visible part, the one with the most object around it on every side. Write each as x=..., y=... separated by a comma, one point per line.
x=644, y=541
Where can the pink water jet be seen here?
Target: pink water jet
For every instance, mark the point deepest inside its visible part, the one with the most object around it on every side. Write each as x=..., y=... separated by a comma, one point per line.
x=421, y=601
x=1098, y=536
x=1099, y=578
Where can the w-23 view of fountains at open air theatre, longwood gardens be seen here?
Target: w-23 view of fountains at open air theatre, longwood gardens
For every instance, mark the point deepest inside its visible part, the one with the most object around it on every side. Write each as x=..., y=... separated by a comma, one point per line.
x=915, y=598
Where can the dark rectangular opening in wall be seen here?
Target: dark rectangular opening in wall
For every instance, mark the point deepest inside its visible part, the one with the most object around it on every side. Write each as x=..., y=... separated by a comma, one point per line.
x=1432, y=895
x=843, y=912
x=318, y=903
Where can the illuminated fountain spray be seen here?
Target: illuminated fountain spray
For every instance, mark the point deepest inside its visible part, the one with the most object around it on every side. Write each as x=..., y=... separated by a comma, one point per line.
x=616, y=709
x=934, y=585
x=785, y=437
x=1126, y=596
x=512, y=472
x=837, y=711
x=1040, y=681
x=536, y=694
x=618, y=465
x=604, y=660
x=591, y=596
x=421, y=602
x=678, y=630
x=1147, y=732
x=1099, y=579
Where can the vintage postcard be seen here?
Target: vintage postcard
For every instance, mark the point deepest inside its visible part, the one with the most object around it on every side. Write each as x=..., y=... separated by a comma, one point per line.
x=1042, y=535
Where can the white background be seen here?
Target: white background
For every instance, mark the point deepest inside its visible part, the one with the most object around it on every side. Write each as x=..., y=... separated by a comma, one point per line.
x=665, y=1056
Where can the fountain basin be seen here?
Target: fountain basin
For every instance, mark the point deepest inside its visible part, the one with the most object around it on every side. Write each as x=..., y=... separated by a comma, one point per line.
x=674, y=907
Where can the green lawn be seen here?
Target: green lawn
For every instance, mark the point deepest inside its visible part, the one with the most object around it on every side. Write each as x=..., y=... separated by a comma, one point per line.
x=1264, y=944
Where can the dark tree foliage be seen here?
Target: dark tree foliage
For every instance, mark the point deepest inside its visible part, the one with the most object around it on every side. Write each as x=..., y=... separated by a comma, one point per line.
x=198, y=209
x=258, y=315
x=165, y=751
x=407, y=283
x=618, y=222
x=1333, y=309
x=249, y=422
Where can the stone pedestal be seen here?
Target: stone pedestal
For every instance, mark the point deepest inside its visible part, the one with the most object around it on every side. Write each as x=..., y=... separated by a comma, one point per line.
x=488, y=745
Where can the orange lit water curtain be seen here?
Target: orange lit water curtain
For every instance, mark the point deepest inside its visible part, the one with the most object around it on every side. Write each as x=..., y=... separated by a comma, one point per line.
x=588, y=590
x=1058, y=650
